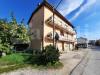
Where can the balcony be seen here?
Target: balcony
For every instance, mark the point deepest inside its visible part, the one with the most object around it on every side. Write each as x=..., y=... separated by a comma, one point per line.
x=60, y=25
x=61, y=38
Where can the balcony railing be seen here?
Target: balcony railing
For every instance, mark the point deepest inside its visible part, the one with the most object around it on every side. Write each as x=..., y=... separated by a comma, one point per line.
x=61, y=38
x=61, y=25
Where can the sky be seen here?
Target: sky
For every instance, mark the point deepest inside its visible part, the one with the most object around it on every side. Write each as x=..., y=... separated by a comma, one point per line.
x=83, y=14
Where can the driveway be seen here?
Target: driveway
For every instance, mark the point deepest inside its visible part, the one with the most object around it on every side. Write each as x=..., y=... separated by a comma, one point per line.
x=93, y=65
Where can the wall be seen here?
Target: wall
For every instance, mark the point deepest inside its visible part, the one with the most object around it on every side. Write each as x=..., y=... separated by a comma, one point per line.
x=47, y=29
x=36, y=29
x=39, y=29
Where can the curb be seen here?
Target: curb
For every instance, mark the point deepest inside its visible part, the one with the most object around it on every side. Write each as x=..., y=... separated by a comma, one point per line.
x=85, y=57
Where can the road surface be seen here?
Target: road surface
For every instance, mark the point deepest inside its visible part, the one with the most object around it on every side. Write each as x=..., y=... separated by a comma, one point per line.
x=93, y=65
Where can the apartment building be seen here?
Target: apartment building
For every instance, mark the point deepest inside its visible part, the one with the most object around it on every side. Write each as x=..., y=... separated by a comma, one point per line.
x=41, y=28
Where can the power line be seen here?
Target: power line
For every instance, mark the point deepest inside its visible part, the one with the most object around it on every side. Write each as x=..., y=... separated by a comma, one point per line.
x=58, y=4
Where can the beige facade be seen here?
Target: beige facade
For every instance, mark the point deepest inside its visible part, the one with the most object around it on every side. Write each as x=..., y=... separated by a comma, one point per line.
x=41, y=29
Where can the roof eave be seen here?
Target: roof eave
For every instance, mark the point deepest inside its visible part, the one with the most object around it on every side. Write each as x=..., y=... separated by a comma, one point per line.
x=45, y=3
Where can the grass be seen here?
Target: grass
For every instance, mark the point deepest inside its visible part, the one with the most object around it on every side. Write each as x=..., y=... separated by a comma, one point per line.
x=12, y=59
x=17, y=60
x=57, y=65
x=12, y=62
x=12, y=68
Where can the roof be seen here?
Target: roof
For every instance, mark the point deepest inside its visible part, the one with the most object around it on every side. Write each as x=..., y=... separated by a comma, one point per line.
x=82, y=38
x=45, y=3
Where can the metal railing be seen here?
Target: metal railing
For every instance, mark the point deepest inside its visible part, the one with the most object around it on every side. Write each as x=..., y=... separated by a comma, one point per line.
x=61, y=37
x=61, y=24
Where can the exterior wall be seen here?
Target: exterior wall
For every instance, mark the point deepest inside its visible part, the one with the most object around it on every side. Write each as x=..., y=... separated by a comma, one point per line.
x=39, y=30
x=36, y=29
x=66, y=47
x=71, y=46
x=59, y=45
x=47, y=29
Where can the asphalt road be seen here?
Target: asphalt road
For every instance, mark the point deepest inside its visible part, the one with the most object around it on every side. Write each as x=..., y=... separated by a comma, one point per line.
x=93, y=65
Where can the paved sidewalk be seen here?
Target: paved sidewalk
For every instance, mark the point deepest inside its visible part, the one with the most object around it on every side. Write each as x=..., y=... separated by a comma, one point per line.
x=70, y=60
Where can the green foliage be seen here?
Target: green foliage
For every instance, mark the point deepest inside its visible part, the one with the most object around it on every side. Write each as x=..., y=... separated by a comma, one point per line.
x=52, y=54
x=13, y=62
x=49, y=55
x=5, y=48
x=12, y=59
x=12, y=33
x=37, y=58
x=56, y=65
x=12, y=67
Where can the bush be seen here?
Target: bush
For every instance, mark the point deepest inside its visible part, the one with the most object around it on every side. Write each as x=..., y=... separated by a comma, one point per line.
x=52, y=54
x=37, y=58
x=49, y=55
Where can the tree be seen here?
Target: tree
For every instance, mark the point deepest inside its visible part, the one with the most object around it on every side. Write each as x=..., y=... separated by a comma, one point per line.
x=4, y=42
x=12, y=33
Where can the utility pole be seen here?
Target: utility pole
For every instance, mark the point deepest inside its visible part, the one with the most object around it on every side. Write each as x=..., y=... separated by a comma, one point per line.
x=54, y=8
x=53, y=27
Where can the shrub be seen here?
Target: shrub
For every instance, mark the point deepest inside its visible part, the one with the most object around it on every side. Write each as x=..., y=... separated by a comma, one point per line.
x=52, y=54
x=49, y=55
x=37, y=58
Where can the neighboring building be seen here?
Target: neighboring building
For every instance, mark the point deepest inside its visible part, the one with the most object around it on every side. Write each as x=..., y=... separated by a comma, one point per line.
x=82, y=42
x=92, y=42
x=41, y=28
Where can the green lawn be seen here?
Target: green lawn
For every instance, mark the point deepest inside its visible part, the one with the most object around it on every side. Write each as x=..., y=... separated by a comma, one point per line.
x=18, y=60
x=12, y=62
x=12, y=59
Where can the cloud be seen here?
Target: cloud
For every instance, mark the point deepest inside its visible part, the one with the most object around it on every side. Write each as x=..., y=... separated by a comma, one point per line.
x=68, y=6
x=83, y=8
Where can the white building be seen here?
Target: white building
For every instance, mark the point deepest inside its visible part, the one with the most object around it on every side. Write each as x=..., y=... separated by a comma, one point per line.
x=82, y=42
